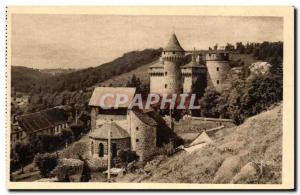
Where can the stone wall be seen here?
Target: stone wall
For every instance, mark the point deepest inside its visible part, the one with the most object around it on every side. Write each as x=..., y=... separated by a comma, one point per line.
x=157, y=84
x=122, y=144
x=143, y=138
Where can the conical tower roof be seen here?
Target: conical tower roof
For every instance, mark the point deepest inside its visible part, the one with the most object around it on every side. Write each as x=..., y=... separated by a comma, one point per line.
x=173, y=44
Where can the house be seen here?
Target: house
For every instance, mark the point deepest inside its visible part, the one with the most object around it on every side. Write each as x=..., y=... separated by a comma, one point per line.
x=49, y=121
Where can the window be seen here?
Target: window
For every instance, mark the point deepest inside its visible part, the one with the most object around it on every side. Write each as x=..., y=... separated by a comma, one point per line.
x=101, y=150
x=173, y=52
x=218, y=82
x=166, y=85
x=217, y=68
x=92, y=148
x=137, y=140
x=114, y=150
x=137, y=128
x=166, y=73
x=18, y=136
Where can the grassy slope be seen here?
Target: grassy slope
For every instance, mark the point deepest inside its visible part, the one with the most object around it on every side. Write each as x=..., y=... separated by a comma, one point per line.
x=121, y=80
x=257, y=140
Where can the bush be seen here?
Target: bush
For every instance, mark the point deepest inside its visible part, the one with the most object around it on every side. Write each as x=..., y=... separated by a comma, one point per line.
x=167, y=149
x=46, y=163
x=67, y=135
x=23, y=155
x=127, y=156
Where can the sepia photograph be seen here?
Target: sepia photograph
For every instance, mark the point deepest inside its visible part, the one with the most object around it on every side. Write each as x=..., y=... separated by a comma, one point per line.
x=150, y=98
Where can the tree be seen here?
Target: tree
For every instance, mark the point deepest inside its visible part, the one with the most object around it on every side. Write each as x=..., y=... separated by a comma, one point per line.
x=23, y=154
x=208, y=103
x=46, y=163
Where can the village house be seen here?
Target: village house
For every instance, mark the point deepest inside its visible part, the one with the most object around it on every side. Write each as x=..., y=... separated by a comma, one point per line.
x=50, y=121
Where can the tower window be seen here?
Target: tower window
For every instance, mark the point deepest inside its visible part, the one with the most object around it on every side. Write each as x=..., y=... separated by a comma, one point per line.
x=166, y=85
x=166, y=73
x=218, y=82
x=217, y=68
x=137, y=140
x=137, y=128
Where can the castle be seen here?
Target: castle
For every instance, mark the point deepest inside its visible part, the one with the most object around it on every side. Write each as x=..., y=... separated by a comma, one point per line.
x=173, y=74
x=178, y=71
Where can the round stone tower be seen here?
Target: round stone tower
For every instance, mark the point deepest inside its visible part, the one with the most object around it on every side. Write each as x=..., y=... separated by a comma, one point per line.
x=173, y=56
x=217, y=63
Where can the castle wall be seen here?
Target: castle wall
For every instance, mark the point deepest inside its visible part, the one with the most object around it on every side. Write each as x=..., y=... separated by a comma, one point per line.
x=194, y=80
x=157, y=84
x=218, y=71
x=143, y=138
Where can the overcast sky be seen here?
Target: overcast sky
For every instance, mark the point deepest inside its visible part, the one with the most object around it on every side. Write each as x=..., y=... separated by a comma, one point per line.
x=81, y=41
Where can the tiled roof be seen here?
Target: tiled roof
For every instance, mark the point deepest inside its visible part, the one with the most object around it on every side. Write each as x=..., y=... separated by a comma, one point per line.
x=173, y=44
x=100, y=91
x=144, y=117
x=42, y=120
x=117, y=132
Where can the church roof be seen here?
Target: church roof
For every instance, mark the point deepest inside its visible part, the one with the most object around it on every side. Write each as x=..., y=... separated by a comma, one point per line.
x=100, y=91
x=117, y=132
x=144, y=117
x=173, y=44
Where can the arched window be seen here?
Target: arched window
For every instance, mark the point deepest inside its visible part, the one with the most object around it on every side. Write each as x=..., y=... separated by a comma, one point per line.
x=217, y=68
x=101, y=150
x=114, y=150
x=218, y=82
x=92, y=148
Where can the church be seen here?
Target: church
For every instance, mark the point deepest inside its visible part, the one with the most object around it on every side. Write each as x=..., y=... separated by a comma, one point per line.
x=180, y=71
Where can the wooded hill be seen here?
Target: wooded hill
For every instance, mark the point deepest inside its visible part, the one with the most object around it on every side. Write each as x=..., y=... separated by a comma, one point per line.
x=33, y=81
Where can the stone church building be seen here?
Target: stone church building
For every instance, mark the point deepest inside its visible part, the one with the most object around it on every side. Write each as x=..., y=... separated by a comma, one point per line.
x=130, y=128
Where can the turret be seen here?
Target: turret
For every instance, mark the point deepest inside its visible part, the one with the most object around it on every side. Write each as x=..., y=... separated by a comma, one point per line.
x=173, y=56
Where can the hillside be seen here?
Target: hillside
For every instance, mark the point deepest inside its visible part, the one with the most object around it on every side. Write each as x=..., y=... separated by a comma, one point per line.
x=249, y=153
x=23, y=79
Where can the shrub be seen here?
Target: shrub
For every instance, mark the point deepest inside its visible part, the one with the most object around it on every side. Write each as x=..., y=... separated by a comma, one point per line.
x=23, y=155
x=127, y=156
x=46, y=163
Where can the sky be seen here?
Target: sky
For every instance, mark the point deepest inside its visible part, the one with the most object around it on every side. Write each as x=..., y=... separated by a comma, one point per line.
x=82, y=41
